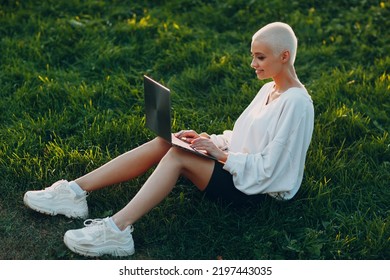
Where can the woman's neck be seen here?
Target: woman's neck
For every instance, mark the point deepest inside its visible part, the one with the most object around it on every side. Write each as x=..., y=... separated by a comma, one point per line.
x=287, y=79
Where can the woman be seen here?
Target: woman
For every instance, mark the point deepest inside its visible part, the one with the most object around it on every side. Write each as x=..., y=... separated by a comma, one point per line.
x=262, y=156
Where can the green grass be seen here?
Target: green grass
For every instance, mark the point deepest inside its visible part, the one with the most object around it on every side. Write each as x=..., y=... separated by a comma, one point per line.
x=71, y=98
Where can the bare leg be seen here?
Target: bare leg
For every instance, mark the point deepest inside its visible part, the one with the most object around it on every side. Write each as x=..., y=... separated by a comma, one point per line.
x=126, y=166
x=175, y=163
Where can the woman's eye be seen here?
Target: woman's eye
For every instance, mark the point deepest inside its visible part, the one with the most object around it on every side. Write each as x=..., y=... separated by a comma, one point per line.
x=261, y=57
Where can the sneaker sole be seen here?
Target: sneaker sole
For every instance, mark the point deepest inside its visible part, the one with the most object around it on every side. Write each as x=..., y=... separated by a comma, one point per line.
x=52, y=212
x=117, y=252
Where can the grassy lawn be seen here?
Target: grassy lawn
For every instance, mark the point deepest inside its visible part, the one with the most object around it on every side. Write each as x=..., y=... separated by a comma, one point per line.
x=71, y=98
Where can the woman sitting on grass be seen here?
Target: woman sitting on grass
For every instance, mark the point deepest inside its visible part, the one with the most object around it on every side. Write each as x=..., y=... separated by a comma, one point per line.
x=263, y=156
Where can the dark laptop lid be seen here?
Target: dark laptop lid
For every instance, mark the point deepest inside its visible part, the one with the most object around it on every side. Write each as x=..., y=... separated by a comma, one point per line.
x=158, y=115
x=157, y=108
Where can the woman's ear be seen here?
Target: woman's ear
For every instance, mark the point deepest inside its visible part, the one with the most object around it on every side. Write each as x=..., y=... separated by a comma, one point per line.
x=285, y=56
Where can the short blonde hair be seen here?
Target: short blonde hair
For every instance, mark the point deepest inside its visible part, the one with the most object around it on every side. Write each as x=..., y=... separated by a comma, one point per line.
x=280, y=37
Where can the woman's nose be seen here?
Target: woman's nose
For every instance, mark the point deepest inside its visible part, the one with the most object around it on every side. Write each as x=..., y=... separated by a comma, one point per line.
x=253, y=63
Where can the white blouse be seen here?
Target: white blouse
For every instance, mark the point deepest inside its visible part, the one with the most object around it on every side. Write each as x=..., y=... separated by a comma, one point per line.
x=268, y=145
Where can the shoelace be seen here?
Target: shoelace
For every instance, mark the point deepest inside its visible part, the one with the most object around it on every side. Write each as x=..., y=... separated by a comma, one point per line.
x=99, y=222
x=93, y=222
x=94, y=226
x=56, y=185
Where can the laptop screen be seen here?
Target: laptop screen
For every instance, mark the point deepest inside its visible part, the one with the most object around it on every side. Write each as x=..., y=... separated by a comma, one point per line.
x=157, y=108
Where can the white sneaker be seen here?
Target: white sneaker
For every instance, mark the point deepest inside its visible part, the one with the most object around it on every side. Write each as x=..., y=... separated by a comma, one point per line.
x=59, y=198
x=98, y=238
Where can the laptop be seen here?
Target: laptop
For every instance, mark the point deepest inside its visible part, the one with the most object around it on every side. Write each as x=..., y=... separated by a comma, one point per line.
x=158, y=115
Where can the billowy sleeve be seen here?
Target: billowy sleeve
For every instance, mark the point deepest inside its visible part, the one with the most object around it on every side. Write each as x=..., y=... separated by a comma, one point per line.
x=222, y=141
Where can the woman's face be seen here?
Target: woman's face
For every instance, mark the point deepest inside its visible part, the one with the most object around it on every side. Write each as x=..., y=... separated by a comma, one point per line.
x=266, y=64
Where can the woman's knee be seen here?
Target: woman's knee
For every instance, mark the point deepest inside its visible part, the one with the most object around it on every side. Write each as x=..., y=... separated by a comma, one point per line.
x=159, y=143
x=180, y=158
x=195, y=168
x=175, y=154
x=186, y=161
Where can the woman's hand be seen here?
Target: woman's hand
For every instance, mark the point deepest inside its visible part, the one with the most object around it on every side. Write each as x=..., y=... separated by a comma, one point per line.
x=205, y=144
x=202, y=142
x=187, y=135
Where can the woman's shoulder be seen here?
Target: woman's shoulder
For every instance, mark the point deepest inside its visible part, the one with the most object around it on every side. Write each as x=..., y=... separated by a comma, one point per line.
x=297, y=100
x=298, y=94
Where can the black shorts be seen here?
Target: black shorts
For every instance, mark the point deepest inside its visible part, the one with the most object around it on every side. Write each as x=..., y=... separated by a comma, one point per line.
x=221, y=187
